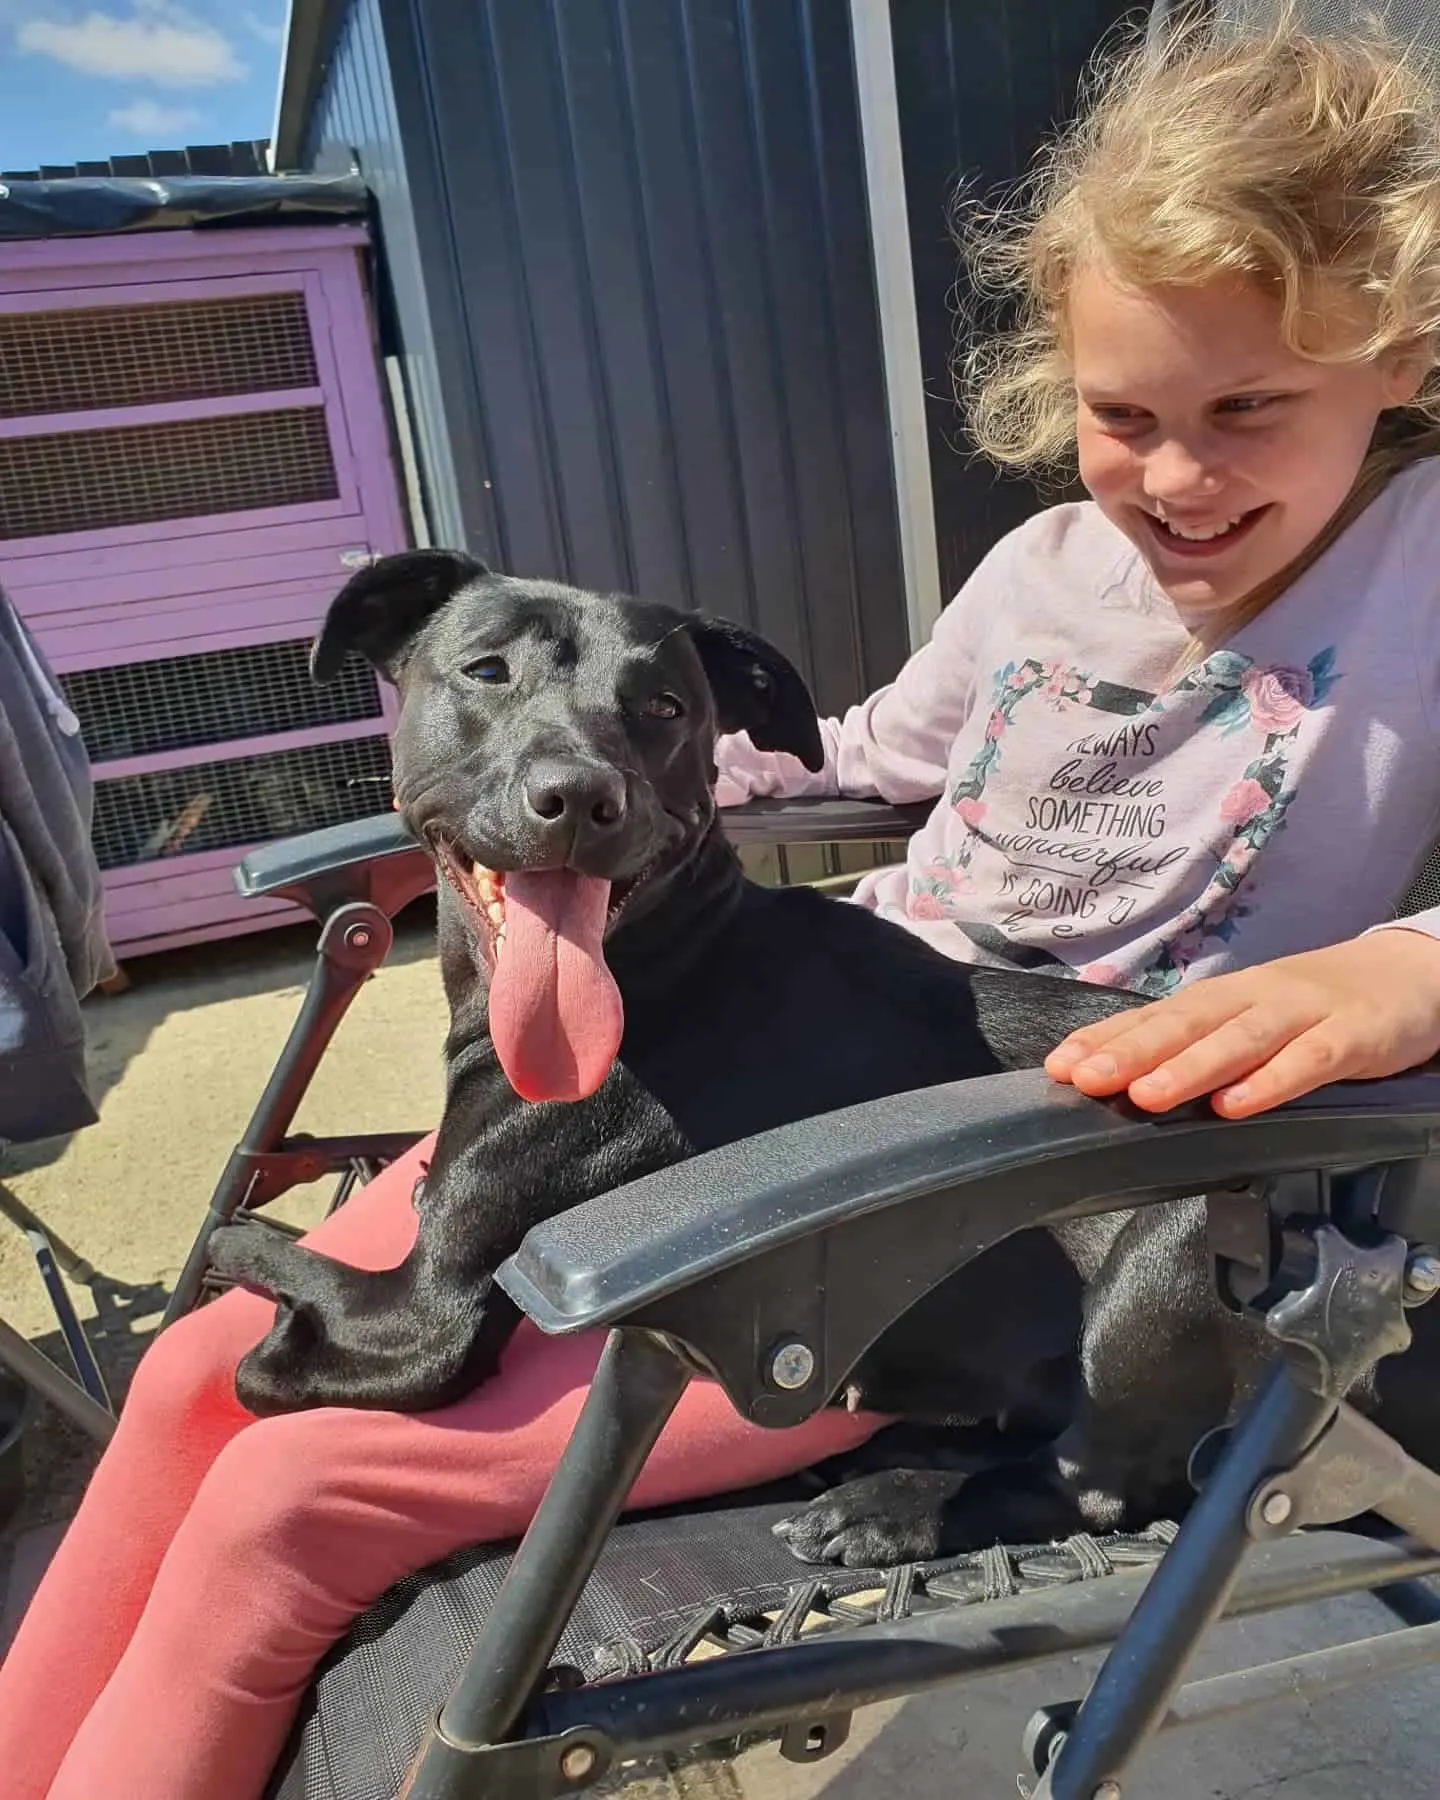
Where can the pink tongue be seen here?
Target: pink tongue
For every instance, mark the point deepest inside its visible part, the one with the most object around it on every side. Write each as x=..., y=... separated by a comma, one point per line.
x=555, y=1012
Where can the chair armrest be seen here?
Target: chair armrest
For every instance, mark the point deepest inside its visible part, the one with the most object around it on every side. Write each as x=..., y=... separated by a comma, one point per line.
x=821, y=821
x=377, y=859
x=374, y=859
x=800, y=1230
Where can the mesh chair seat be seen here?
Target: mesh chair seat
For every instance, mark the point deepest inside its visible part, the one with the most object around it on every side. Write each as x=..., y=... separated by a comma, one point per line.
x=669, y=1589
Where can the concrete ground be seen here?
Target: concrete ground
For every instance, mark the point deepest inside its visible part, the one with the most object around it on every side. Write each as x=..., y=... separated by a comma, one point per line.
x=178, y=1062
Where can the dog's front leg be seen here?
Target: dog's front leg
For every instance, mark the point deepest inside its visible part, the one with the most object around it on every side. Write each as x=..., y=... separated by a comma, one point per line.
x=390, y=1339
x=1161, y=1361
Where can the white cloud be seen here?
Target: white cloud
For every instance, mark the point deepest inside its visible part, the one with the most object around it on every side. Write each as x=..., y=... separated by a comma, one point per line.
x=157, y=124
x=158, y=42
x=273, y=35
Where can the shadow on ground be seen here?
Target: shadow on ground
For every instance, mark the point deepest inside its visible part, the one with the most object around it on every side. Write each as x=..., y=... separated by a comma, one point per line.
x=59, y=1458
x=119, y=1026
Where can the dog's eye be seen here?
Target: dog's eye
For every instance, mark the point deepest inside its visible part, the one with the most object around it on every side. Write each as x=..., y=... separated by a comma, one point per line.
x=490, y=670
x=663, y=706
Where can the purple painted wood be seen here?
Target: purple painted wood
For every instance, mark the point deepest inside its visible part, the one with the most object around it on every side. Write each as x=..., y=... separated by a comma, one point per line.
x=187, y=876
x=328, y=368
x=141, y=292
x=315, y=571
x=334, y=536
x=228, y=749
x=132, y=593
x=150, y=641
x=363, y=406
x=91, y=634
x=118, y=536
x=175, y=882
x=165, y=412
x=119, y=282
x=171, y=248
x=223, y=915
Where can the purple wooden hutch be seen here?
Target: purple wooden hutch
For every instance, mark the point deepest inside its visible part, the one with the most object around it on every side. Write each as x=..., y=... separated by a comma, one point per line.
x=194, y=451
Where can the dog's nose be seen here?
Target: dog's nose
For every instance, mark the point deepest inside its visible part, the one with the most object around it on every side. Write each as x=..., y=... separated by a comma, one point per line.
x=575, y=796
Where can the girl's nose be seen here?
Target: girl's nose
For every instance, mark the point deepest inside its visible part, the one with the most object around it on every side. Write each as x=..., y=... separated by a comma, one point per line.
x=1175, y=472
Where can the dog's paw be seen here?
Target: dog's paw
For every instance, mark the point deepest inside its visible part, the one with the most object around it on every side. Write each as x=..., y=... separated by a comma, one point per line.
x=276, y=1376
x=897, y=1516
x=254, y=1255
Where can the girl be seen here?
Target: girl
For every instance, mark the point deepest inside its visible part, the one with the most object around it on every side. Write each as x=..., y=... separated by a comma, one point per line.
x=1185, y=730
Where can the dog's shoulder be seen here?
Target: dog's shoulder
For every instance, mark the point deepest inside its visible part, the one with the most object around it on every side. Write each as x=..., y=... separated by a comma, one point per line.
x=905, y=988
x=873, y=950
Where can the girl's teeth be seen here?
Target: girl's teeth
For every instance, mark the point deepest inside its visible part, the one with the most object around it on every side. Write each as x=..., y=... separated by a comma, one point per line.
x=1200, y=534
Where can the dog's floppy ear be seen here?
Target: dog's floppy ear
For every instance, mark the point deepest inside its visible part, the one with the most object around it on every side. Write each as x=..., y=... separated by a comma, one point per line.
x=757, y=690
x=378, y=611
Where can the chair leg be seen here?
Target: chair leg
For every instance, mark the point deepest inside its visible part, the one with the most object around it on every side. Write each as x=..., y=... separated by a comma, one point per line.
x=1186, y=1594
x=1341, y=1317
x=52, y=1254
x=66, y=1396
x=76, y=1342
x=353, y=944
x=77, y=1267
x=637, y=1384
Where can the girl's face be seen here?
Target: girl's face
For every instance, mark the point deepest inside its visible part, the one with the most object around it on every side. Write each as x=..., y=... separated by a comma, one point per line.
x=1218, y=451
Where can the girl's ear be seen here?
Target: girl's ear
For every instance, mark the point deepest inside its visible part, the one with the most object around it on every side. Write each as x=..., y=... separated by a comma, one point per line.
x=1404, y=373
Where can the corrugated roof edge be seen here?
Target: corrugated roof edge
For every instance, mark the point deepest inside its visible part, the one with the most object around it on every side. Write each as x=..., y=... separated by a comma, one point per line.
x=311, y=27
x=245, y=157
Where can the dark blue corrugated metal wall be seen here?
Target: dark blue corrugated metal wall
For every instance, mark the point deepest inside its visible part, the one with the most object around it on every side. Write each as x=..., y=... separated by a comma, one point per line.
x=355, y=116
x=660, y=368
x=979, y=86
x=630, y=268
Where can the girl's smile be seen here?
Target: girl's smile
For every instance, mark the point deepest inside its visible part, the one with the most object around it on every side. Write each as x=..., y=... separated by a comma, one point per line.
x=1218, y=450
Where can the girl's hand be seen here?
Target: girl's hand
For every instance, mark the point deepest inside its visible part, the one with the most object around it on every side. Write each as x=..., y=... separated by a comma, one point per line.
x=1265, y=1035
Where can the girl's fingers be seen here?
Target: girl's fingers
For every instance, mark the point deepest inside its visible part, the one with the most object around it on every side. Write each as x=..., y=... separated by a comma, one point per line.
x=1080, y=1044
x=1259, y=1037
x=1309, y=1061
x=1133, y=1044
x=1222, y=1057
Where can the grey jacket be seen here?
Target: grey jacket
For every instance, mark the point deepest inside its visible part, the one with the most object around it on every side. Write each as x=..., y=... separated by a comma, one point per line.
x=53, y=947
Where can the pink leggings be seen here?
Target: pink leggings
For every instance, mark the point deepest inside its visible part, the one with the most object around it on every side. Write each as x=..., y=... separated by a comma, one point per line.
x=216, y=1557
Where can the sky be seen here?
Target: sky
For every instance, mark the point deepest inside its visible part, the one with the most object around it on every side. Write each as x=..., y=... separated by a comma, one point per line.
x=81, y=81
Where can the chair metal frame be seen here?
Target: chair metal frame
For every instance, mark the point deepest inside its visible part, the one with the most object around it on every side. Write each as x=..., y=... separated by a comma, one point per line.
x=1324, y=1219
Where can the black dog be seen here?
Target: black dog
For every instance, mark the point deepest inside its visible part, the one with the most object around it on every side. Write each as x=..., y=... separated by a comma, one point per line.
x=621, y=996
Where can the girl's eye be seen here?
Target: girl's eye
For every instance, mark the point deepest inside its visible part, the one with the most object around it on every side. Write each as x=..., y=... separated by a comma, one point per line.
x=663, y=706
x=1120, y=418
x=490, y=671
x=1244, y=405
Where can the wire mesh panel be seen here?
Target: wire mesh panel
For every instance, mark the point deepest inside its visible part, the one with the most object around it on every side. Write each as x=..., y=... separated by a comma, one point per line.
x=177, y=702
x=1424, y=890
x=86, y=358
x=216, y=415
x=1408, y=21
x=135, y=474
x=247, y=800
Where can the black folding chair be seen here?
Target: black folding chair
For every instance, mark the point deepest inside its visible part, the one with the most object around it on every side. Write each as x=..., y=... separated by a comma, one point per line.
x=771, y=1265
x=540, y=1671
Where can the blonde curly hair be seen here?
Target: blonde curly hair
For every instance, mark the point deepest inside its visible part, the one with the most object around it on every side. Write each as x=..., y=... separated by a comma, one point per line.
x=1306, y=163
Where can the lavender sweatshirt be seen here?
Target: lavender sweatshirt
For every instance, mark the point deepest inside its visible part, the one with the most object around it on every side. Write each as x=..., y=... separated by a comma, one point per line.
x=1099, y=816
